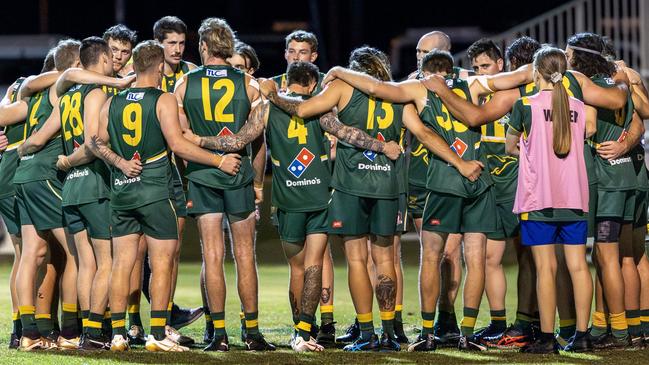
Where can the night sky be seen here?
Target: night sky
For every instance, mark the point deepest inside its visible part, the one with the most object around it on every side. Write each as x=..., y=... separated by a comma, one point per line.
x=343, y=24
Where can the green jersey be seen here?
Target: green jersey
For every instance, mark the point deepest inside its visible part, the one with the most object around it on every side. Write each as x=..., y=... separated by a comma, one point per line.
x=401, y=165
x=86, y=183
x=299, y=157
x=361, y=172
x=282, y=82
x=216, y=104
x=135, y=133
x=418, y=164
x=612, y=125
x=465, y=141
x=502, y=167
x=9, y=159
x=169, y=81
x=42, y=164
x=642, y=175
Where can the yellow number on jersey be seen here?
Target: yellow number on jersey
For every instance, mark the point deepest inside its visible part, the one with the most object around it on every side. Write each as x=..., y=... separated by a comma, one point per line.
x=447, y=121
x=71, y=115
x=383, y=121
x=296, y=129
x=32, y=116
x=219, y=114
x=132, y=121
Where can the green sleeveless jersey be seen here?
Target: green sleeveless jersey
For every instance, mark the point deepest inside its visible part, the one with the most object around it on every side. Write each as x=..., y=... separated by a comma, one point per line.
x=612, y=125
x=42, y=164
x=642, y=174
x=135, y=133
x=9, y=159
x=362, y=172
x=465, y=141
x=169, y=81
x=299, y=157
x=86, y=183
x=573, y=88
x=502, y=167
x=401, y=165
x=282, y=82
x=418, y=164
x=216, y=104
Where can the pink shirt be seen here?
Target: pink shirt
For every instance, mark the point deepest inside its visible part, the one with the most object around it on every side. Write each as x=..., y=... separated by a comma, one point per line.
x=545, y=180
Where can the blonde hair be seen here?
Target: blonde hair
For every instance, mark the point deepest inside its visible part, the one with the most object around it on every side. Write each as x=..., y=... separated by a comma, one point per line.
x=147, y=54
x=551, y=65
x=218, y=37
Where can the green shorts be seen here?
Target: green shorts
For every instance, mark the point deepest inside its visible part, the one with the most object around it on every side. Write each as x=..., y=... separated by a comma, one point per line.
x=157, y=220
x=592, y=209
x=508, y=225
x=10, y=214
x=616, y=205
x=203, y=199
x=39, y=204
x=180, y=202
x=402, y=214
x=351, y=215
x=640, y=215
x=454, y=214
x=93, y=217
x=416, y=201
x=295, y=226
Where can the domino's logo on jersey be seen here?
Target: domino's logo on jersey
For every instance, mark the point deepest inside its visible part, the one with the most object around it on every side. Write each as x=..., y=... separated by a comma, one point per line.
x=135, y=96
x=224, y=132
x=301, y=162
x=216, y=73
x=371, y=155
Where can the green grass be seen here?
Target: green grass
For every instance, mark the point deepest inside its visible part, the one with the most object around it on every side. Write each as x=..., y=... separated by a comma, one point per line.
x=275, y=322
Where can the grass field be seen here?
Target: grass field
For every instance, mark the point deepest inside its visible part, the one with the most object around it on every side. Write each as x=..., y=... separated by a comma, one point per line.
x=275, y=323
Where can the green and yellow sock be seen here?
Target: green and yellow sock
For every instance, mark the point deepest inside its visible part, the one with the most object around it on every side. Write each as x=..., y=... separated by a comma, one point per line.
x=134, y=318
x=567, y=328
x=84, y=320
x=94, y=324
x=28, y=321
x=598, y=327
x=427, y=322
x=118, y=324
x=387, y=322
x=644, y=320
x=158, y=323
x=366, y=324
x=523, y=320
x=499, y=318
x=69, y=320
x=252, y=323
x=619, y=327
x=106, y=326
x=44, y=323
x=169, y=307
x=17, y=328
x=634, y=323
x=397, y=313
x=218, y=321
x=304, y=326
x=468, y=321
x=326, y=314
x=242, y=318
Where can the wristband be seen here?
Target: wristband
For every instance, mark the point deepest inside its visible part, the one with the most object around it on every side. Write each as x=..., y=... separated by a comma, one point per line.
x=220, y=161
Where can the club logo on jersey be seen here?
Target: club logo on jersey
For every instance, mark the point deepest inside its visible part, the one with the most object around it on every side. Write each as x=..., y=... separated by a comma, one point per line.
x=136, y=156
x=224, y=132
x=459, y=147
x=449, y=83
x=216, y=73
x=301, y=162
x=371, y=155
x=135, y=96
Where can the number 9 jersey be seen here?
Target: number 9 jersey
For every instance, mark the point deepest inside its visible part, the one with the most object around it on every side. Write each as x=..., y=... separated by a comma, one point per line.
x=216, y=104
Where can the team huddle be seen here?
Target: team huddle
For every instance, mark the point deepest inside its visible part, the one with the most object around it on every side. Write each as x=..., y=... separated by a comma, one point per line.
x=115, y=143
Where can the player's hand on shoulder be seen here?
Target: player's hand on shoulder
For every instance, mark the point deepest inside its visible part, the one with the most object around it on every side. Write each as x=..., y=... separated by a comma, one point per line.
x=126, y=81
x=392, y=150
x=190, y=136
x=331, y=75
x=434, y=83
x=130, y=168
x=230, y=163
x=266, y=86
x=63, y=163
x=471, y=169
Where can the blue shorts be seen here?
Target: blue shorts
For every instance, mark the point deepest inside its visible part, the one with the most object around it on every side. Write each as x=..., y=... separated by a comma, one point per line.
x=535, y=233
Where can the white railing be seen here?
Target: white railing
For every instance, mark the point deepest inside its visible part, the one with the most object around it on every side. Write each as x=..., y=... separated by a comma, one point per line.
x=625, y=22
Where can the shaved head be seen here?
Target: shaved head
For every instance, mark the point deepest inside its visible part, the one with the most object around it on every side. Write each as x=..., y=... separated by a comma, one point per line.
x=433, y=40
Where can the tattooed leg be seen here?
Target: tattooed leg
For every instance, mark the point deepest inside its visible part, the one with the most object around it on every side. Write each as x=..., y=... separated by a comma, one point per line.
x=295, y=256
x=386, y=285
x=312, y=289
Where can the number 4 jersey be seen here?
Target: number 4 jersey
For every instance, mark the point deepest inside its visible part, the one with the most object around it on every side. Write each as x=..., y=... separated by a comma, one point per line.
x=86, y=183
x=216, y=104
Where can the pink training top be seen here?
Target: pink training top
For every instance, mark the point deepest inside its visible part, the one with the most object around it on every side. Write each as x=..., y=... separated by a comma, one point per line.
x=545, y=180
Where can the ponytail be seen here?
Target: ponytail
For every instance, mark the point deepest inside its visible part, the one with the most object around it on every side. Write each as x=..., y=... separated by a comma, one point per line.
x=561, y=139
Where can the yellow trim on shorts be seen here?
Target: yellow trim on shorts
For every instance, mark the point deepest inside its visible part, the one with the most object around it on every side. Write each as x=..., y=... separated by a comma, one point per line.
x=14, y=146
x=53, y=191
x=157, y=157
x=175, y=215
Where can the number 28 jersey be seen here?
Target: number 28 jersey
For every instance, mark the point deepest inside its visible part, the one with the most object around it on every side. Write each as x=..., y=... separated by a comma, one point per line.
x=216, y=104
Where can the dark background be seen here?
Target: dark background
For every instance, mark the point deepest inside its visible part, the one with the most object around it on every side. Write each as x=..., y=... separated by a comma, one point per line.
x=341, y=25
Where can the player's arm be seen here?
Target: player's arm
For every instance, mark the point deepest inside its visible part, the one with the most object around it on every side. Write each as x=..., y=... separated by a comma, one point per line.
x=318, y=104
x=36, y=83
x=469, y=113
x=91, y=108
x=611, y=150
x=591, y=121
x=516, y=126
x=167, y=112
x=604, y=97
x=73, y=76
x=38, y=139
x=483, y=85
x=395, y=92
x=511, y=142
x=99, y=146
x=638, y=92
x=358, y=138
x=435, y=144
x=179, y=93
x=6, y=100
x=13, y=113
x=258, y=145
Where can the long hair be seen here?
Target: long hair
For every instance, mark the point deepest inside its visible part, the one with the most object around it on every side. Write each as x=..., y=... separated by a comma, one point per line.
x=551, y=64
x=589, y=63
x=372, y=62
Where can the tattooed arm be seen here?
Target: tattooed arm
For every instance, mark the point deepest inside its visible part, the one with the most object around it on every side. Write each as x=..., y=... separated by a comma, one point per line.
x=321, y=103
x=354, y=136
x=236, y=142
